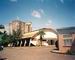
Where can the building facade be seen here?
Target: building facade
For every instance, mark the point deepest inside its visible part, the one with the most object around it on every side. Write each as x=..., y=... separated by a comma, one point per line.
x=64, y=36
x=66, y=39
x=24, y=26
x=49, y=38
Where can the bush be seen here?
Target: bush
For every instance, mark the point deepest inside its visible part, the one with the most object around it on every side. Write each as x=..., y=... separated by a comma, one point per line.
x=70, y=52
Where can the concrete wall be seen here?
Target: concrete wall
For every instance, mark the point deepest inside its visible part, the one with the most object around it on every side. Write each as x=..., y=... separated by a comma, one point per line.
x=73, y=43
x=62, y=47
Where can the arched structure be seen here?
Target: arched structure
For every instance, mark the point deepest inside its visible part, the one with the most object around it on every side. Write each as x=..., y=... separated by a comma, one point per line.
x=48, y=30
x=49, y=38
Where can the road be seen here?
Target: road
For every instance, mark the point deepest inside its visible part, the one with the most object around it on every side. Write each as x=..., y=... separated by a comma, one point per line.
x=33, y=53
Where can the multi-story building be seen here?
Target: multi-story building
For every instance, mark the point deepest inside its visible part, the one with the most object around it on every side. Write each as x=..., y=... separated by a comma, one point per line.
x=66, y=39
x=24, y=26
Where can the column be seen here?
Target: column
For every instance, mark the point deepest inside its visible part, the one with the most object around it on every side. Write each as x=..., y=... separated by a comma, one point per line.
x=30, y=42
x=20, y=43
x=25, y=43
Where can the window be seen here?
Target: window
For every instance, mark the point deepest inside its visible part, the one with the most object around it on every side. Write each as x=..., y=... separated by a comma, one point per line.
x=67, y=42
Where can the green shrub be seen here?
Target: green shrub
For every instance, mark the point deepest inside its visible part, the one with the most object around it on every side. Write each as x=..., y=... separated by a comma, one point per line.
x=70, y=52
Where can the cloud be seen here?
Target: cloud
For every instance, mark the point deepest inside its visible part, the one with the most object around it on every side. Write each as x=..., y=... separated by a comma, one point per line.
x=49, y=24
x=13, y=0
x=36, y=14
x=50, y=21
x=62, y=1
x=42, y=11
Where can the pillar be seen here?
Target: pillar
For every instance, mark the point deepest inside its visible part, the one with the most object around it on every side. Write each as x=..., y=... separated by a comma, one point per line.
x=27, y=41
x=23, y=41
x=30, y=42
x=20, y=43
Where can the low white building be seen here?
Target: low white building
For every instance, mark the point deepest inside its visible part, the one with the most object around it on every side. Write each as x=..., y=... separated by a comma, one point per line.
x=48, y=39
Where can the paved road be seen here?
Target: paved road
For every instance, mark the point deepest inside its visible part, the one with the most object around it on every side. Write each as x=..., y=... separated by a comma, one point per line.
x=34, y=53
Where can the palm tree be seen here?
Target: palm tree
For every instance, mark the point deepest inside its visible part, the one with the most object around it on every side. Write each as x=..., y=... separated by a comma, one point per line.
x=41, y=33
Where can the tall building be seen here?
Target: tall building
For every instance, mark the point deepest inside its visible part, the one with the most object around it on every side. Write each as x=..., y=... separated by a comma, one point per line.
x=24, y=26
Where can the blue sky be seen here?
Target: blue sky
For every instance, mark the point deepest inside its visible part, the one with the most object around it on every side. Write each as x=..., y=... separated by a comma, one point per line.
x=42, y=13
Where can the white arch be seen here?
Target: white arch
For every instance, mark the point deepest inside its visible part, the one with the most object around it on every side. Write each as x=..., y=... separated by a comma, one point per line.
x=48, y=35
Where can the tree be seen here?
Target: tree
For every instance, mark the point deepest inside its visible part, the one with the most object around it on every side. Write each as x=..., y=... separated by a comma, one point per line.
x=11, y=38
x=1, y=33
x=16, y=36
x=5, y=39
x=41, y=33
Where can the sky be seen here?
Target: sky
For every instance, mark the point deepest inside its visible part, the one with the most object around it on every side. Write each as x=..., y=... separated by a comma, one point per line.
x=42, y=13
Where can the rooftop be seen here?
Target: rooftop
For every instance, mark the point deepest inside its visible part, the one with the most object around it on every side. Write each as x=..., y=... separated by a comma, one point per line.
x=66, y=30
